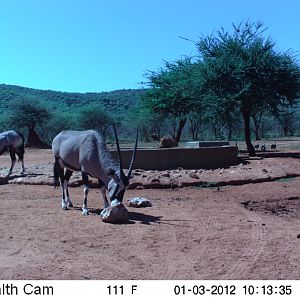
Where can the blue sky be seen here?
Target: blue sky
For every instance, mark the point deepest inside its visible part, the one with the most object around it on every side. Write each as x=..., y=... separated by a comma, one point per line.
x=104, y=45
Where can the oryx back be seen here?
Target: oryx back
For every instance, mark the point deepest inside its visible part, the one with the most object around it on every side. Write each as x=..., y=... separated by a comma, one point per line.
x=10, y=138
x=83, y=151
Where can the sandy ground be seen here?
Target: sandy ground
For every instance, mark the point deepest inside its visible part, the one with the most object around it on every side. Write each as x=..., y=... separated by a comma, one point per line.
x=248, y=230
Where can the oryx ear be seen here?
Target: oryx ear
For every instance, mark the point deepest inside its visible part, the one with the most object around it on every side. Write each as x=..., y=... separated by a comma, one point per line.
x=111, y=172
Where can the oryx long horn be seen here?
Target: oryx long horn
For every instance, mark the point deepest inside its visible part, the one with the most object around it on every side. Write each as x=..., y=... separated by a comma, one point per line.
x=118, y=148
x=133, y=154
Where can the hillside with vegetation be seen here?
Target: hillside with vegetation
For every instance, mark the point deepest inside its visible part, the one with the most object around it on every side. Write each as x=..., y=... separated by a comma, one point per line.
x=41, y=114
x=116, y=101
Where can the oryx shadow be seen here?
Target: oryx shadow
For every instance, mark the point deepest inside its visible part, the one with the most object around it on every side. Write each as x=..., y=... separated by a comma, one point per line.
x=143, y=218
x=6, y=179
x=133, y=216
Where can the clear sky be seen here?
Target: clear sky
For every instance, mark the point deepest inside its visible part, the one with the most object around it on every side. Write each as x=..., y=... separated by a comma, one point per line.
x=104, y=45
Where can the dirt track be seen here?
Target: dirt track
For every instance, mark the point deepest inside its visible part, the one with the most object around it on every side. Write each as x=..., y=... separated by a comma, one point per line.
x=247, y=231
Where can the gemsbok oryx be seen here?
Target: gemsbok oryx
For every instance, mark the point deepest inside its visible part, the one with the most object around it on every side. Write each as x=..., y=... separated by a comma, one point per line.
x=13, y=142
x=86, y=151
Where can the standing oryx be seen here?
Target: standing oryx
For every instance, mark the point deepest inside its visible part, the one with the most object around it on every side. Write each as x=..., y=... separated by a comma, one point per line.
x=86, y=151
x=13, y=142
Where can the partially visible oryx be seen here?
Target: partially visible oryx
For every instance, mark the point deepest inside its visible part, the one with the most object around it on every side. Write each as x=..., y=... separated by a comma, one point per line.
x=86, y=151
x=13, y=142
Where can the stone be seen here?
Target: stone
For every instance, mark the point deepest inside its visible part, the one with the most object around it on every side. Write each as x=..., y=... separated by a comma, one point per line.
x=194, y=175
x=155, y=180
x=165, y=175
x=140, y=187
x=138, y=202
x=115, y=213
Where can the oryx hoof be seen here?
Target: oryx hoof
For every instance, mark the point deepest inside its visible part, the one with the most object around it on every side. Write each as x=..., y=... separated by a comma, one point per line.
x=85, y=212
x=70, y=204
x=64, y=206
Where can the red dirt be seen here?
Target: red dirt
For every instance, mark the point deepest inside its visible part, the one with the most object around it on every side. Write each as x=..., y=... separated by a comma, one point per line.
x=247, y=231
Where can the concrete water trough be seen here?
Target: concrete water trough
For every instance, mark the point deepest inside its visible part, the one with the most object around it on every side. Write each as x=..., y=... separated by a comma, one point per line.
x=187, y=158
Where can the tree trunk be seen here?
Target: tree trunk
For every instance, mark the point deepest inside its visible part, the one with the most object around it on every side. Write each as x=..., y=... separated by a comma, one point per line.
x=215, y=131
x=250, y=148
x=179, y=130
x=256, y=129
x=33, y=139
x=229, y=133
x=256, y=120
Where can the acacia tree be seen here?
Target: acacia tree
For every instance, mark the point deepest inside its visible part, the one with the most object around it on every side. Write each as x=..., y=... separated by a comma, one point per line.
x=256, y=118
x=30, y=113
x=95, y=117
x=245, y=71
x=285, y=117
x=149, y=123
x=172, y=93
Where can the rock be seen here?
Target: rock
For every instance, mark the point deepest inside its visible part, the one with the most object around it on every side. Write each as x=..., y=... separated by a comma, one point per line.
x=165, y=175
x=115, y=213
x=155, y=180
x=140, y=187
x=194, y=175
x=167, y=142
x=138, y=202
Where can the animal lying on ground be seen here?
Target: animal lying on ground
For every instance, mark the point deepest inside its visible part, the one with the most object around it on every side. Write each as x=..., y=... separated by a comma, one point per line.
x=13, y=142
x=155, y=137
x=166, y=142
x=86, y=151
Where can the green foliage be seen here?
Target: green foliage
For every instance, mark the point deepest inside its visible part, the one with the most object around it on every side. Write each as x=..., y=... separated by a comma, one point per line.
x=115, y=102
x=93, y=116
x=172, y=89
x=65, y=108
x=59, y=121
x=244, y=73
x=244, y=68
x=174, y=92
x=28, y=113
x=148, y=122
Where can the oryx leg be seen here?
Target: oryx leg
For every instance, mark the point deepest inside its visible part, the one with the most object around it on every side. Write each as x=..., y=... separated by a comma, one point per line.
x=68, y=175
x=61, y=175
x=23, y=167
x=12, y=154
x=85, y=179
x=21, y=158
x=103, y=192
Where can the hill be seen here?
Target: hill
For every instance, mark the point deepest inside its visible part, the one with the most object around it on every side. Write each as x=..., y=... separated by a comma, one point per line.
x=115, y=101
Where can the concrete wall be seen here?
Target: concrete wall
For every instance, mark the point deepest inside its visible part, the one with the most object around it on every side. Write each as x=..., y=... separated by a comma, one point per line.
x=187, y=158
x=197, y=144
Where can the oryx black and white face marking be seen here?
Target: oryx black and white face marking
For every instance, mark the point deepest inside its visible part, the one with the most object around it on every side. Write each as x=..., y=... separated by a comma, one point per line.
x=116, y=187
